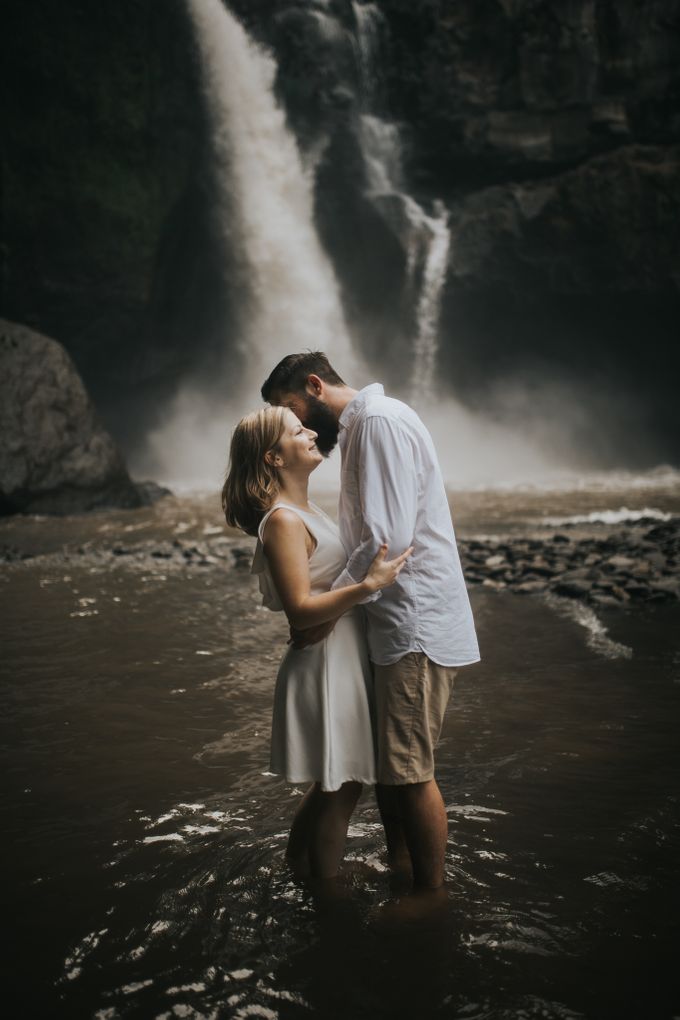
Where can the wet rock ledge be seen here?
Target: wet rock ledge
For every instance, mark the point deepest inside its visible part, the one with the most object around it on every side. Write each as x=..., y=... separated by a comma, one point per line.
x=633, y=564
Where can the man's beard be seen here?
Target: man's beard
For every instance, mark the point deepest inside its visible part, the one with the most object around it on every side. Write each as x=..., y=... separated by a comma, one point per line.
x=321, y=420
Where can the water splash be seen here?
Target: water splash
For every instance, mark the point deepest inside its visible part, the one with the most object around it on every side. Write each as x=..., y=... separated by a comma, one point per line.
x=595, y=631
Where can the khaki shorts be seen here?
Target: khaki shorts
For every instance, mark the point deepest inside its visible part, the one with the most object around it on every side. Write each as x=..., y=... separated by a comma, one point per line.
x=411, y=696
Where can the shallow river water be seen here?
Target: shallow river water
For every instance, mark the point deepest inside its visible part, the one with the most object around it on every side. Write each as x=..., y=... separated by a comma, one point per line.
x=143, y=840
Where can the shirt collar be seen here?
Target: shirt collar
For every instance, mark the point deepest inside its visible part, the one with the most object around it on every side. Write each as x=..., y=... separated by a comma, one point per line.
x=357, y=403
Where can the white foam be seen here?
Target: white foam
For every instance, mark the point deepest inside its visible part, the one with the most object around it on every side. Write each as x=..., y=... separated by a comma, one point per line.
x=171, y=837
x=567, y=480
x=476, y=812
x=193, y=986
x=135, y=986
x=596, y=632
x=608, y=517
x=254, y=1009
x=86, y=945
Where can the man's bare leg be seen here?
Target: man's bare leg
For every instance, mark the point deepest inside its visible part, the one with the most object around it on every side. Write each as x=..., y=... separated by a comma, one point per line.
x=425, y=827
x=390, y=813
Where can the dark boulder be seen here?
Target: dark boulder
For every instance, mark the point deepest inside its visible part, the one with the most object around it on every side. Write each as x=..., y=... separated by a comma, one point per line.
x=55, y=456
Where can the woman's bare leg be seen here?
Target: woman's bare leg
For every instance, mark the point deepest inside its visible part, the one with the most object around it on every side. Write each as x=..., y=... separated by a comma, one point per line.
x=297, y=850
x=329, y=830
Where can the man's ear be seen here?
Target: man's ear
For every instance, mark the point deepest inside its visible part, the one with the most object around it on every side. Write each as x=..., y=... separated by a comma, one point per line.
x=315, y=385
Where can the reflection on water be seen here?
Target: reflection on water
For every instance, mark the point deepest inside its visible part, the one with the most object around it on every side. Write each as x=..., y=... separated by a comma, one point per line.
x=145, y=842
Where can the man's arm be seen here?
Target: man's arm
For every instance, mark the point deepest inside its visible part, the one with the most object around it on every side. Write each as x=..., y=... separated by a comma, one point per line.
x=388, y=494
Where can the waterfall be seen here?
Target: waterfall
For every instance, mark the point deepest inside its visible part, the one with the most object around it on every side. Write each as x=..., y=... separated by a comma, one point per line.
x=483, y=449
x=368, y=21
x=264, y=197
x=262, y=204
x=427, y=315
x=381, y=151
x=426, y=237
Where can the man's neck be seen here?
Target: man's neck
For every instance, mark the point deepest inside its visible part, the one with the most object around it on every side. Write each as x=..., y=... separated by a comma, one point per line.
x=338, y=397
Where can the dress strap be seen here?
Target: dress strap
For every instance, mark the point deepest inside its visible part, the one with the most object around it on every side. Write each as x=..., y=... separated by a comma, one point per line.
x=304, y=515
x=270, y=597
x=263, y=522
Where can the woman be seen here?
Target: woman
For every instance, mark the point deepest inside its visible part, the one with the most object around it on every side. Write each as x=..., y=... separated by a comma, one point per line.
x=321, y=727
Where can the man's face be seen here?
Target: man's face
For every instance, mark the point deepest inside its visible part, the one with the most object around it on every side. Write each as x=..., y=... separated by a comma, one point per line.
x=316, y=415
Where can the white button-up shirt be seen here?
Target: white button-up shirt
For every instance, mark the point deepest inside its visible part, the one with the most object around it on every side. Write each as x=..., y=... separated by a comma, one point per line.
x=392, y=491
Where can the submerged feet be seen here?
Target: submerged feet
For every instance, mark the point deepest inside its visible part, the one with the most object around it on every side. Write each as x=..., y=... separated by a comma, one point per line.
x=430, y=908
x=316, y=844
x=416, y=827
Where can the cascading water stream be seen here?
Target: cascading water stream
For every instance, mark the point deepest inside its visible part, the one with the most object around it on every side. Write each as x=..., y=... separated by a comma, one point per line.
x=262, y=205
x=259, y=177
x=429, y=303
x=427, y=237
x=482, y=447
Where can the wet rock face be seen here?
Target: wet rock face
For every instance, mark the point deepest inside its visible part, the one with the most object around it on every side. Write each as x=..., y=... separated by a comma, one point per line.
x=497, y=88
x=99, y=134
x=601, y=227
x=55, y=457
x=580, y=266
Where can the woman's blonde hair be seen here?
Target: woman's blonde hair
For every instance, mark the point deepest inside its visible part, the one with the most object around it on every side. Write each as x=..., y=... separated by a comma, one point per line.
x=252, y=484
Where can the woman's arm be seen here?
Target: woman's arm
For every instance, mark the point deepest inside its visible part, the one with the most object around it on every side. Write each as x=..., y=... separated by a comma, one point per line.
x=286, y=550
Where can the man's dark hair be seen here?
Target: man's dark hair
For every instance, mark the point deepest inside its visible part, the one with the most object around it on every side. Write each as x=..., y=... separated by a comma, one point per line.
x=290, y=375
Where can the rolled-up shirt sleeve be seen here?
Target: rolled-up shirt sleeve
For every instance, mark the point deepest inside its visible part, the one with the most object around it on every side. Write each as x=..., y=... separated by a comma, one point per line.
x=388, y=494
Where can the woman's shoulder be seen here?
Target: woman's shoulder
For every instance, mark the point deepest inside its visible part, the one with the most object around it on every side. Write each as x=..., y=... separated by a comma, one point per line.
x=280, y=522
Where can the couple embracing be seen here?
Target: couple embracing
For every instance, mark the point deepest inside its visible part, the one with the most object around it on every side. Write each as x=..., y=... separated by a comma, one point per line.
x=379, y=613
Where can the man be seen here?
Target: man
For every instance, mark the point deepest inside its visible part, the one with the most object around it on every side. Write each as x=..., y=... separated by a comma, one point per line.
x=420, y=630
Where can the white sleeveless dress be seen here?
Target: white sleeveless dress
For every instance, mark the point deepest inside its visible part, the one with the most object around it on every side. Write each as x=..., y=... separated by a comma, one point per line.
x=321, y=725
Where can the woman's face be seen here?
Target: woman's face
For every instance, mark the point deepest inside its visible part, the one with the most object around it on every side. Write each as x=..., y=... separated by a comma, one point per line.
x=297, y=445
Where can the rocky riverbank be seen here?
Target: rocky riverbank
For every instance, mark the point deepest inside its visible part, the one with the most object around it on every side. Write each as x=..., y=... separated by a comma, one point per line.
x=632, y=564
x=629, y=565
